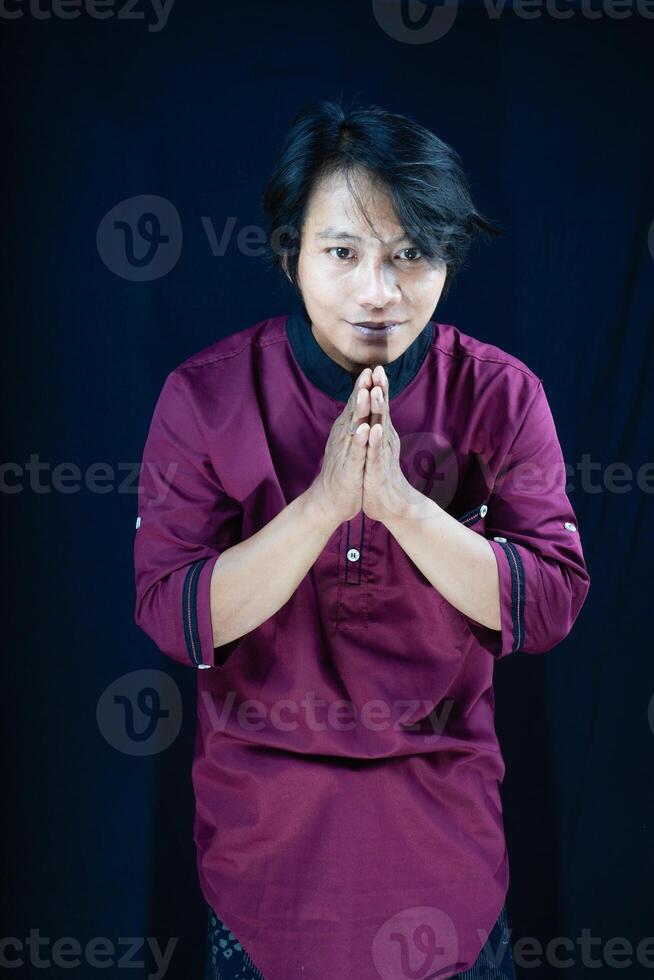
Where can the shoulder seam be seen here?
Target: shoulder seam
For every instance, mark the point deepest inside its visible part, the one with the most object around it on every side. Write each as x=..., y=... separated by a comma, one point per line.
x=253, y=342
x=491, y=360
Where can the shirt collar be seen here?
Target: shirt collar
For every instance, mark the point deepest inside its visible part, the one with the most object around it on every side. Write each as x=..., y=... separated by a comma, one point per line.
x=333, y=379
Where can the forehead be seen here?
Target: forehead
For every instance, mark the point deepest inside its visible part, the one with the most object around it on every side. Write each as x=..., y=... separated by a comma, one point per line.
x=333, y=209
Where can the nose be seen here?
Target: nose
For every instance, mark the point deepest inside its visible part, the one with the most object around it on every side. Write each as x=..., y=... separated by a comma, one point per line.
x=376, y=284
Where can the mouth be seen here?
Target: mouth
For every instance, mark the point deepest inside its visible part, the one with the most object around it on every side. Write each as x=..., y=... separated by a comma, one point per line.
x=377, y=329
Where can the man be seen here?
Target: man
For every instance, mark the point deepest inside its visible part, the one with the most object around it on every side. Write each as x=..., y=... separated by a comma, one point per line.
x=347, y=515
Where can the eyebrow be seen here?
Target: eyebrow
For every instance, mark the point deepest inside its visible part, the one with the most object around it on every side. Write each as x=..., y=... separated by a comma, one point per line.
x=338, y=233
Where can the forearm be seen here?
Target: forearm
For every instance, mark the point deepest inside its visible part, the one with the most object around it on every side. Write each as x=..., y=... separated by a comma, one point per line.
x=457, y=561
x=253, y=579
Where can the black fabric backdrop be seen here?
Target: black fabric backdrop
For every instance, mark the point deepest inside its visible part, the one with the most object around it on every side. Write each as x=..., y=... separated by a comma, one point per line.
x=553, y=119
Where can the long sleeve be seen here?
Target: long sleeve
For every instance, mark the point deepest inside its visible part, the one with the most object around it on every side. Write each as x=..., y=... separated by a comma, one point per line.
x=534, y=534
x=185, y=520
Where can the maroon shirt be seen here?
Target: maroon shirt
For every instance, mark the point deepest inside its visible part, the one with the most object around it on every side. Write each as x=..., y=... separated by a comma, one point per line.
x=347, y=771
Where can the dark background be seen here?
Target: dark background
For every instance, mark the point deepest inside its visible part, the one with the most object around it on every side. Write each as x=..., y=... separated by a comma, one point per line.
x=553, y=120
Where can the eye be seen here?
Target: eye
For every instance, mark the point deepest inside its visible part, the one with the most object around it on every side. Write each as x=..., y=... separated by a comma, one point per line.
x=346, y=258
x=340, y=248
x=412, y=248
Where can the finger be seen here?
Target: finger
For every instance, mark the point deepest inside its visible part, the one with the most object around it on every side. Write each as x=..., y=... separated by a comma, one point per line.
x=380, y=379
x=379, y=396
x=358, y=446
x=374, y=440
x=364, y=381
x=359, y=421
x=376, y=405
x=360, y=409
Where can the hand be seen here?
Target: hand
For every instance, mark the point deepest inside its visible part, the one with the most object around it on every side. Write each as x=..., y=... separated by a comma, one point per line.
x=337, y=491
x=387, y=494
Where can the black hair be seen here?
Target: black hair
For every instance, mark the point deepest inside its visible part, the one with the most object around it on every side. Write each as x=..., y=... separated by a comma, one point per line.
x=423, y=175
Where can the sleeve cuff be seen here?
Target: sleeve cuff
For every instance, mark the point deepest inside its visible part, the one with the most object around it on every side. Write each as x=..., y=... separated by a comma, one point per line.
x=512, y=596
x=196, y=612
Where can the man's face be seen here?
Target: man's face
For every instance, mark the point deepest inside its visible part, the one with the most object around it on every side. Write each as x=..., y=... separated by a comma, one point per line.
x=350, y=274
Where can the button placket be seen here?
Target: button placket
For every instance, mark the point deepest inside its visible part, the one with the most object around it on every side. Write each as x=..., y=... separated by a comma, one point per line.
x=353, y=583
x=353, y=552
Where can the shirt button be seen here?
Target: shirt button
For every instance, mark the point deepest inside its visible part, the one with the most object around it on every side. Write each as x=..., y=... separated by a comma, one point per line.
x=499, y=539
x=569, y=527
x=203, y=666
x=353, y=555
x=482, y=510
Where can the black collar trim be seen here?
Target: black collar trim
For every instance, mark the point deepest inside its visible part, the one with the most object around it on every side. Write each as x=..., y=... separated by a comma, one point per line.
x=333, y=379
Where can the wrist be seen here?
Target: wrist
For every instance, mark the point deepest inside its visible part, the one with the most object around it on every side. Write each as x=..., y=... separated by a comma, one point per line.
x=318, y=511
x=416, y=507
